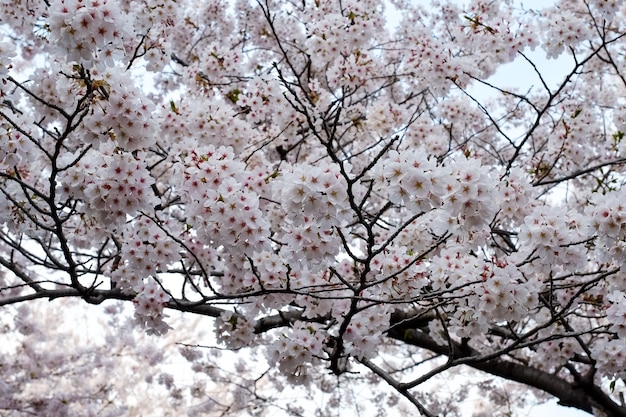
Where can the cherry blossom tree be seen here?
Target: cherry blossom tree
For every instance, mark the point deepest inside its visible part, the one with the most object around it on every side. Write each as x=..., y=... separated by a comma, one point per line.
x=322, y=186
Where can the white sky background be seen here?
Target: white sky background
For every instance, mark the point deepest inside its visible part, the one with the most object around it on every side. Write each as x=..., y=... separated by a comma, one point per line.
x=553, y=71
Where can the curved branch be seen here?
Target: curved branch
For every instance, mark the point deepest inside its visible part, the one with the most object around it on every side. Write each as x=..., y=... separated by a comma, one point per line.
x=582, y=395
x=397, y=386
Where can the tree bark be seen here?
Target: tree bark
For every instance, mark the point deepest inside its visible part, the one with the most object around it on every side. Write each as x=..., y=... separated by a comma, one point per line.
x=582, y=395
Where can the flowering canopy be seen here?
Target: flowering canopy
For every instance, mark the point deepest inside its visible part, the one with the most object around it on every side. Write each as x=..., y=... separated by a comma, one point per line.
x=325, y=186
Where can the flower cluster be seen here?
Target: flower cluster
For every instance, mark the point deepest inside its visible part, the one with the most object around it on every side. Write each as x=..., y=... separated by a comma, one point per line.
x=263, y=102
x=153, y=15
x=563, y=29
x=608, y=214
x=494, y=291
x=555, y=353
x=400, y=276
x=411, y=179
x=462, y=190
x=149, y=295
x=220, y=207
x=412, y=238
x=616, y=313
x=263, y=271
x=154, y=19
x=88, y=31
x=515, y=197
x=555, y=235
x=451, y=267
x=296, y=348
x=122, y=114
x=429, y=136
x=569, y=149
x=353, y=71
x=204, y=256
x=7, y=51
x=611, y=357
x=485, y=23
x=469, y=196
x=364, y=331
x=234, y=330
x=333, y=302
x=461, y=116
x=49, y=89
x=605, y=9
x=309, y=244
x=15, y=147
x=218, y=62
x=342, y=32
x=384, y=118
x=22, y=16
x=270, y=270
x=503, y=295
x=314, y=199
x=306, y=190
x=149, y=302
x=111, y=184
x=146, y=251
x=215, y=124
x=323, y=176
x=431, y=58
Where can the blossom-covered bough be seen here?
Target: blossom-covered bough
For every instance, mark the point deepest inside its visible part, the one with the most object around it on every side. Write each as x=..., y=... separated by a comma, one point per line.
x=324, y=184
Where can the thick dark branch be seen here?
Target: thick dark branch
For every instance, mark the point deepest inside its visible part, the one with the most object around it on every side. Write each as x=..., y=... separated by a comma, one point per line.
x=584, y=396
x=279, y=320
x=95, y=296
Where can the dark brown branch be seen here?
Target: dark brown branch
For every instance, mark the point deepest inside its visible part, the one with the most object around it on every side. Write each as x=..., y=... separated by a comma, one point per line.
x=584, y=396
